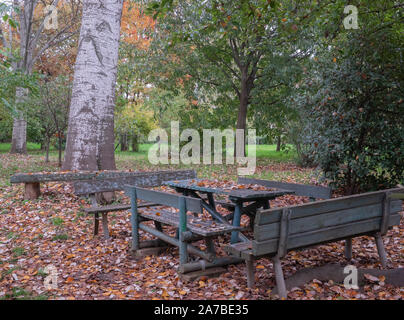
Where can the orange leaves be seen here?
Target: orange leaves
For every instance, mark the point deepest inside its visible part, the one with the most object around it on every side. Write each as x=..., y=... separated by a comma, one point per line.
x=91, y=268
x=135, y=25
x=69, y=280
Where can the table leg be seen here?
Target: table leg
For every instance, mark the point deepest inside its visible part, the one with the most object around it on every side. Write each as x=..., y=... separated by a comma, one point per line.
x=236, y=222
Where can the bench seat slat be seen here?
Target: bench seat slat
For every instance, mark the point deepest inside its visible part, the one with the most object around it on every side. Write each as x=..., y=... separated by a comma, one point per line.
x=300, y=189
x=112, y=208
x=195, y=225
x=240, y=250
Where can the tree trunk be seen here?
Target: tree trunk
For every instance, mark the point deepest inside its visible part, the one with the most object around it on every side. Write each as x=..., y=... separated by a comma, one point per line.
x=19, y=136
x=90, y=137
x=242, y=111
x=124, y=142
x=59, y=149
x=278, y=143
x=47, y=143
x=135, y=144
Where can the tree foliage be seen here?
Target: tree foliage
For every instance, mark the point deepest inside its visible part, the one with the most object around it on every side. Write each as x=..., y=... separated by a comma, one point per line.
x=352, y=105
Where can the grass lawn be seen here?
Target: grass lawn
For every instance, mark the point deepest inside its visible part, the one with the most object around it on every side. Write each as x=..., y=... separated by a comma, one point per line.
x=270, y=164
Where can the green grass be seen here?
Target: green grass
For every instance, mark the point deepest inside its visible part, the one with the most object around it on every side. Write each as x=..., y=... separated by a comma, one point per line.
x=22, y=294
x=18, y=251
x=137, y=161
x=60, y=237
x=31, y=147
x=57, y=221
x=263, y=151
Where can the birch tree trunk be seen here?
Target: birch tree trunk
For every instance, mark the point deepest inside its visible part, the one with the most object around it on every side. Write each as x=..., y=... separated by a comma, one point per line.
x=19, y=136
x=90, y=135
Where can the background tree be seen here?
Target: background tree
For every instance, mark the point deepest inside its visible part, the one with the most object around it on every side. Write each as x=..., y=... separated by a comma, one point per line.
x=90, y=138
x=131, y=85
x=50, y=110
x=32, y=39
x=352, y=103
x=227, y=54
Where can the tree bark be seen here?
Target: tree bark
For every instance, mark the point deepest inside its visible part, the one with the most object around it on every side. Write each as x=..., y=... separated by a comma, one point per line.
x=59, y=149
x=124, y=142
x=90, y=136
x=242, y=111
x=19, y=135
x=47, y=145
x=278, y=143
x=135, y=144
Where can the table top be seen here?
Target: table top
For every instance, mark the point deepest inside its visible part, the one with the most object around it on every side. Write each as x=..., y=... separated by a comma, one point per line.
x=235, y=192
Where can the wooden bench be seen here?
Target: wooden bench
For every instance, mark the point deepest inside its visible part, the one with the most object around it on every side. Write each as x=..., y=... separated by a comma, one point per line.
x=117, y=182
x=190, y=228
x=304, y=190
x=279, y=230
x=96, y=179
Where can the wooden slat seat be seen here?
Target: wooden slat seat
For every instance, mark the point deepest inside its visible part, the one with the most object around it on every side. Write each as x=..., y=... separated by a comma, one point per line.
x=313, y=192
x=185, y=214
x=113, y=208
x=116, y=181
x=195, y=225
x=241, y=250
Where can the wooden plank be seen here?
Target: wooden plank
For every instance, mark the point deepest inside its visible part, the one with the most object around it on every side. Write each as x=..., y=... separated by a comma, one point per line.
x=300, y=189
x=139, y=179
x=207, y=273
x=323, y=206
x=329, y=234
x=97, y=175
x=322, y=220
x=195, y=225
x=112, y=208
x=233, y=194
x=32, y=191
x=167, y=199
x=284, y=232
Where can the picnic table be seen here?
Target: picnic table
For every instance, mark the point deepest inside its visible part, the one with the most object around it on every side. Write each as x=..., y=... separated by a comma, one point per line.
x=239, y=195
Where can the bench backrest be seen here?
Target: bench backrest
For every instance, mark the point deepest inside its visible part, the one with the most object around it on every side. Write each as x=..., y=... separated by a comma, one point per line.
x=315, y=192
x=118, y=183
x=324, y=221
x=163, y=198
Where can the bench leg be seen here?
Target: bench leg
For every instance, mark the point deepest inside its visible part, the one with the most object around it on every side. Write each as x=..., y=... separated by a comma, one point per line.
x=280, y=281
x=183, y=246
x=96, y=223
x=250, y=273
x=210, y=246
x=105, y=225
x=380, y=249
x=236, y=222
x=32, y=191
x=348, y=248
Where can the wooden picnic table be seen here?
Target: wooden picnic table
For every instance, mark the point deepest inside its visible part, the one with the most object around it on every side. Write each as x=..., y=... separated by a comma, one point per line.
x=255, y=199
